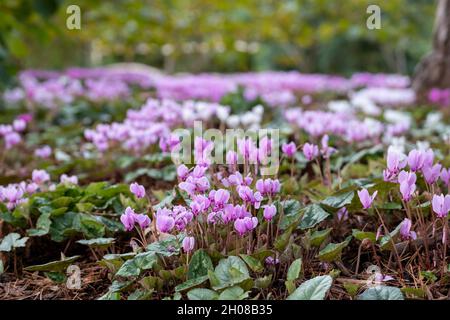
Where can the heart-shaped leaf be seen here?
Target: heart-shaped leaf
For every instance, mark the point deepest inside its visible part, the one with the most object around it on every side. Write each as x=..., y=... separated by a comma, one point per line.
x=313, y=289
x=382, y=293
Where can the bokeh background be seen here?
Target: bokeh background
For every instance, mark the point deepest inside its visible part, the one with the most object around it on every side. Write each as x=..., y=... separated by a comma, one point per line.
x=217, y=36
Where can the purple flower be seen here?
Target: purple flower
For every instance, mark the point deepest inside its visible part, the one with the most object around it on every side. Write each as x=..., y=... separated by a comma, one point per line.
x=365, y=198
x=431, y=173
x=441, y=205
x=249, y=196
x=65, y=179
x=128, y=219
x=310, y=151
x=43, y=152
x=188, y=244
x=289, y=149
x=268, y=187
x=445, y=176
x=221, y=197
x=270, y=261
x=407, y=182
x=40, y=176
x=240, y=226
x=326, y=150
x=269, y=212
x=243, y=225
x=405, y=230
x=182, y=172
x=395, y=161
x=342, y=214
x=137, y=190
x=142, y=220
x=232, y=158
x=164, y=221
x=416, y=159
x=19, y=125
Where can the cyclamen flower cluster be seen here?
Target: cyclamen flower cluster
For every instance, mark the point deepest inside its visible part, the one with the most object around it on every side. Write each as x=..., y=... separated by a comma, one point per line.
x=152, y=125
x=11, y=133
x=219, y=206
x=129, y=218
x=14, y=194
x=418, y=161
x=343, y=125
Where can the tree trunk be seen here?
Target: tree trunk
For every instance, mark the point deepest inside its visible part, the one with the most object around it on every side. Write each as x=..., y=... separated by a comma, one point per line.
x=434, y=69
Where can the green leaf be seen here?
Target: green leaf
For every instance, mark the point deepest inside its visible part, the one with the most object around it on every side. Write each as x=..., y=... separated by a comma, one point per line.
x=229, y=272
x=98, y=242
x=319, y=236
x=233, y=293
x=291, y=213
x=42, y=225
x=386, y=241
x=12, y=241
x=382, y=293
x=313, y=289
x=202, y=294
x=54, y=266
x=254, y=264
x=191, y=283
x=333, y=251
x=167, y=247
x=199, y=265
x=314, y=214
x=294, y=270
x=361, y=235
x=341, y=198
x=134, y=266
x=283, y=240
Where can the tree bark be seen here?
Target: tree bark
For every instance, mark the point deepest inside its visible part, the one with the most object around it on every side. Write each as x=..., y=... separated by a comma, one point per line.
x=434, y=69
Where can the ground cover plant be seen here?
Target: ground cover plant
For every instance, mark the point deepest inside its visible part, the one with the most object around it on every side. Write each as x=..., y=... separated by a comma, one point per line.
x=93, y=205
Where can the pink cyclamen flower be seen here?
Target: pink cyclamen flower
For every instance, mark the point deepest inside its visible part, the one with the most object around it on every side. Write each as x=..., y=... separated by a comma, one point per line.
x=268, y=187
x=269, y=212
x=43, y=152
x=310, y=151
x=289, y=149
x=182, y=172
x=232, y=158
x=342, y=214
x=19, y=125
x=416, y=160
x=142, y=220
x=65, y=179
x=271, y=261
x=128, y=219
x=431, y=173
x=243, y=225
x=40, y=176
x=137, y=190
x=445, y=176
x=365, y=198
x=407, y=182
x=326, y=150
x=405, y=230
x=249, y=196
x=164, y=222
x=188, y=244
x=441, y=205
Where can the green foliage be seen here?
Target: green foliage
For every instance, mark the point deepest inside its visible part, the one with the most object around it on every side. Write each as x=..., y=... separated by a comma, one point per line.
x=313, y=289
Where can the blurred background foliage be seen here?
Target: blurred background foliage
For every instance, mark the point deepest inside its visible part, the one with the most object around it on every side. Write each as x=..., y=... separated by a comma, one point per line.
x=218, y=36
